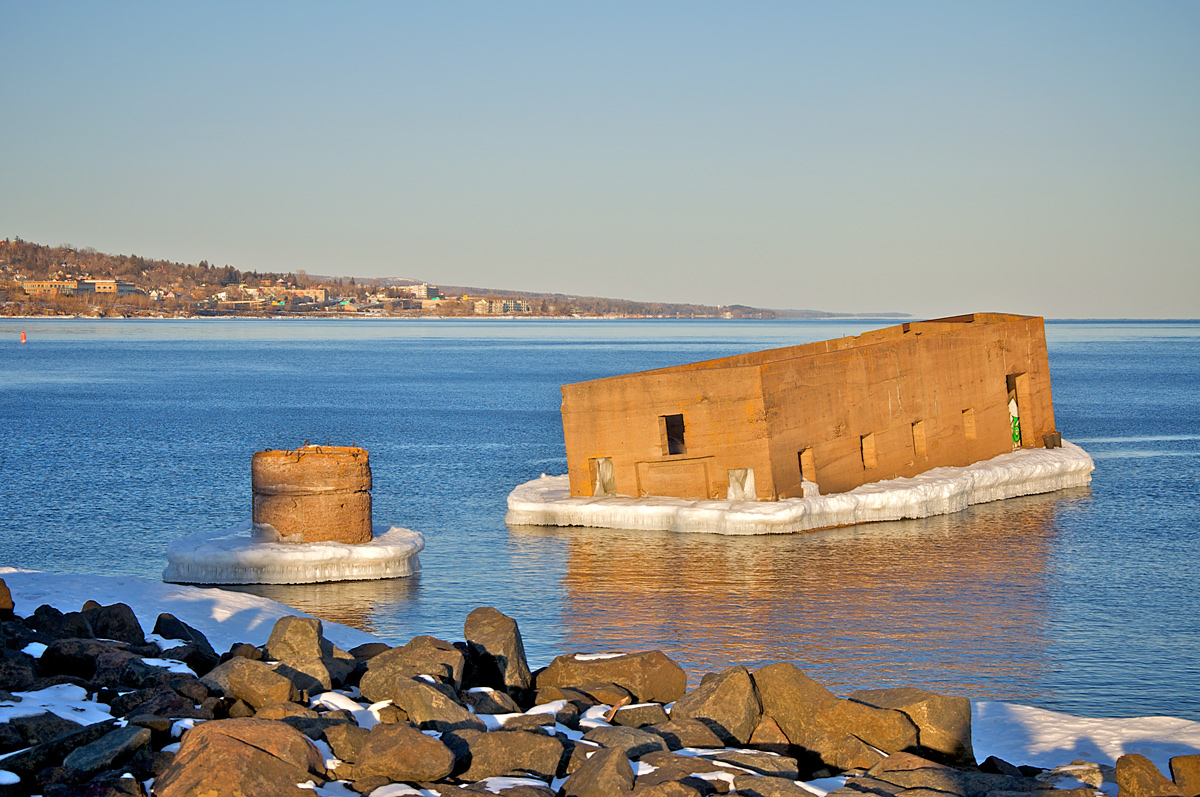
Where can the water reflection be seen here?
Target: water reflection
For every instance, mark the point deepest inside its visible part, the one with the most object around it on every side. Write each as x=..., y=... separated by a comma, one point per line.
x=358, y=604
x=957, y=603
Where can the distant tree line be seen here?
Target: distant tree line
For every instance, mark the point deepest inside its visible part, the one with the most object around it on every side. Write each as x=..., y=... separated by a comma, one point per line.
x=39, y=262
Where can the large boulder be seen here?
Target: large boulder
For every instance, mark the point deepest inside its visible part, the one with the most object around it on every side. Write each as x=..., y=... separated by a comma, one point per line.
x=770, y=737
x=17, y=670
x=649, y=676
x=400, y=752
x=1185, y=771
x=6, y=602
x=423, y=655
x=502, y=752
x=300, y=643
x=1138, y=777
x=485, y=700
x=51, y=622
x=943, y=721
x=727, y=702
x=294, y=638
x=78, y=657
x=603, y=774
x=32, y=760
x=239, y=758
x=116, y=622
x=639, y=715
x=346, y=740
x=168, y=626
x=633, y=742
x=685, y=733
x=108, y=752
x=840, y=732
x=497, y=652
x=432, y=709
x=41, y=728
x=258, y=685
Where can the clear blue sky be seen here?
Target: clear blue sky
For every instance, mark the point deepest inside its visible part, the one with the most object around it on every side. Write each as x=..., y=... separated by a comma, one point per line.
x=926, y=157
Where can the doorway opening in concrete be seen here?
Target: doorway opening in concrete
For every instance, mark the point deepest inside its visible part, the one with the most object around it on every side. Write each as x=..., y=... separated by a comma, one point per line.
x=741, y=485
x=808, y=466
x=1018, y=393
x=671, y=429
x=603, y=481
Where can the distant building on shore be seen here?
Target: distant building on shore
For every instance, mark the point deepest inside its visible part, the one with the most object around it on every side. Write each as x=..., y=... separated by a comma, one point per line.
x=73, y=287
x=49, y=287
x=835, y=414
x=502, y=306
x=117, y=287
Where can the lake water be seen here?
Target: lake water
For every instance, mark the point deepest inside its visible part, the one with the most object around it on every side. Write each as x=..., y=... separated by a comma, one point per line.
x=116, y=436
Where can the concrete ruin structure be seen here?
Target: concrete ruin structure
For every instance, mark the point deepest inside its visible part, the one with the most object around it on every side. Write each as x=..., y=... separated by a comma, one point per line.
x=832, y=415
x=313, y=494
x=310, y=524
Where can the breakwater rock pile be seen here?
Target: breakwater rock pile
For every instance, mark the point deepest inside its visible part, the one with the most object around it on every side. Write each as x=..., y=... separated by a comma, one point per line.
x=91, y=705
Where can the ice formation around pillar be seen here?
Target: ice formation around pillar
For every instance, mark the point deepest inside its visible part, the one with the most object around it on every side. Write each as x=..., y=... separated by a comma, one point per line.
x=243, y=555
x=547, y=501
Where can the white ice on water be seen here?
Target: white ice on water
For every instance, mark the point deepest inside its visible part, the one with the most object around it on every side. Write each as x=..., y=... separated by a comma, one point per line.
x=547, y=501
x=243, y=555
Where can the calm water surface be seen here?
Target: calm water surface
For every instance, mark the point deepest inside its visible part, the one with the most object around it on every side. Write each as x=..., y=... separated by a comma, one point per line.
x=116, y=437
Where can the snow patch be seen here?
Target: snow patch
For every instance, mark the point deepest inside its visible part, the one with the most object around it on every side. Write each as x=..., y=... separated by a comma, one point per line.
x=547, y=501
x=240, y=555
x=64, y=700
x=1043, y=738
x=223, y=617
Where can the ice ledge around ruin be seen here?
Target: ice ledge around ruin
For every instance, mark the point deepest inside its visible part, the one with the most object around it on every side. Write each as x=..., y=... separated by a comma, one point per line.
x=243, y=555
x=547, y=501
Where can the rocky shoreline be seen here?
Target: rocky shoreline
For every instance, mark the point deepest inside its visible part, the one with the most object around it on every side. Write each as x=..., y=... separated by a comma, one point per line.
x=92, y=705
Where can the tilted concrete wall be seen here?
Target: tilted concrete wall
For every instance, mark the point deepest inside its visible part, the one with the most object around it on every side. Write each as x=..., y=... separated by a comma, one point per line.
x=760, y=410
x=828, y=402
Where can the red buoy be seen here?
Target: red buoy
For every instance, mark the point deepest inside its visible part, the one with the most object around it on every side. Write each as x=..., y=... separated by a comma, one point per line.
x=22, y=336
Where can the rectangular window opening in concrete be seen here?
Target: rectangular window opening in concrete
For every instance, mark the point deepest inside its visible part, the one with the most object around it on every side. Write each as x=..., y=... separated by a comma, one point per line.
x=671, y=430
x=918, y=433
x=741, y=485
x=868, y=451
x=603, y=481
x=969, y=423
x=808, y=466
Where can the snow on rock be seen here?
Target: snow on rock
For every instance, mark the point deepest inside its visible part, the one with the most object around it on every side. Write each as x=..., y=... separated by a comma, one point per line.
x=547, y=501
x=243, y=555
x=1043, y=738
x=223, y=617
x=68, y=701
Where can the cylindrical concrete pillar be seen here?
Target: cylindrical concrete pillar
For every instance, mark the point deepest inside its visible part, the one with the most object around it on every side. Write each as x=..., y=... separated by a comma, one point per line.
x=313, y=494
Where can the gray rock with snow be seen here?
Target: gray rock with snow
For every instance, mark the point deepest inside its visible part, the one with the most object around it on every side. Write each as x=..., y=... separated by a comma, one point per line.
x=109, y=751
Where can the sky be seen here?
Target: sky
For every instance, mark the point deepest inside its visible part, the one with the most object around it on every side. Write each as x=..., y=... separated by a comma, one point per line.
x=933, y=158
